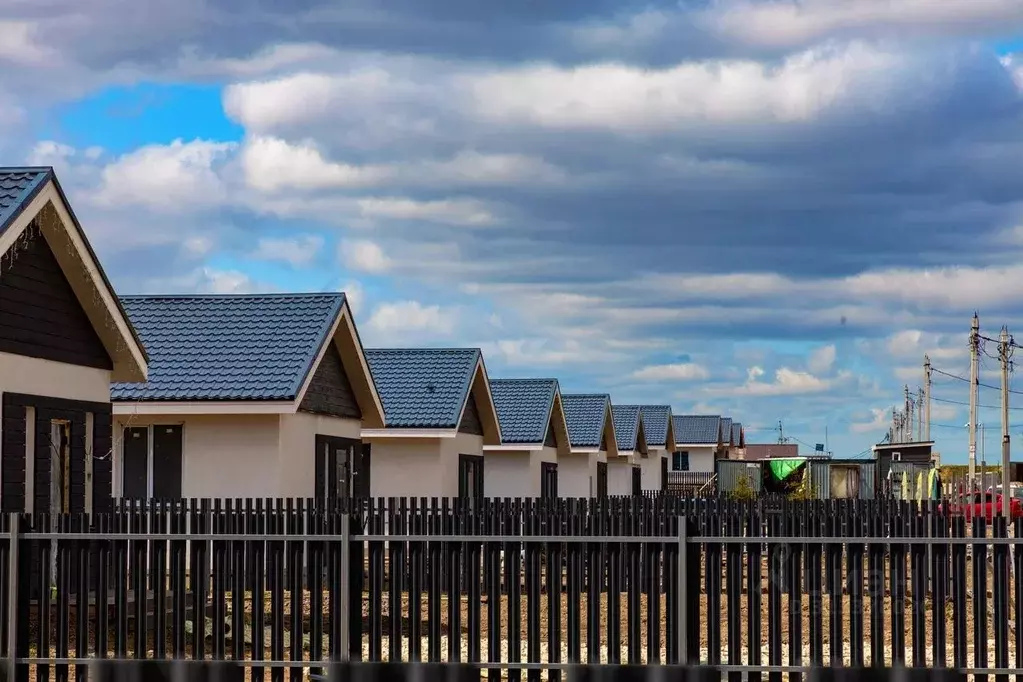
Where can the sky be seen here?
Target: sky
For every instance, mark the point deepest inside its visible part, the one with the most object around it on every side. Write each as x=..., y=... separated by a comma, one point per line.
x=767, y=209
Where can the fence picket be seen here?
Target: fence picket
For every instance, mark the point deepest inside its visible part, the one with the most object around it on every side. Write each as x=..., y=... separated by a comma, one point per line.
x=273, y=568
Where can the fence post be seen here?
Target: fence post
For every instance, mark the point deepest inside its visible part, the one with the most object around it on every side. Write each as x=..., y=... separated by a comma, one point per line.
x=344, y=594
x=13, y=599
x=683, y=594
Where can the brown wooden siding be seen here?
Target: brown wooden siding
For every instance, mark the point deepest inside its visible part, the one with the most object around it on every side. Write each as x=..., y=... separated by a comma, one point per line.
x=330, y=392
x=471, y=418
x=12, y=451
x=40, y=316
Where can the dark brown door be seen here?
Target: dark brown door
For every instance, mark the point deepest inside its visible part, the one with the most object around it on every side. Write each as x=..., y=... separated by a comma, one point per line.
x=342, y=468
x=548, y=480
x=167, y=447
x=601, y=479
x=470, y=477
x=637, y=481
x=664, y=473
x=135, y=463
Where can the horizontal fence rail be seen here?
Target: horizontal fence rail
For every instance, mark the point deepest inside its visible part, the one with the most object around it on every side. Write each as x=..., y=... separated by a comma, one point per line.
x=515, y=587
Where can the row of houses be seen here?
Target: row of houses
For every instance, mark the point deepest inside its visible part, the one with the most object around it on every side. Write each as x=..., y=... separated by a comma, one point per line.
x=275, y=396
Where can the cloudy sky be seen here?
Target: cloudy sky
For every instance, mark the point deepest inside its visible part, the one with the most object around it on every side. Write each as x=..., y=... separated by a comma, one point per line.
x=764, y=208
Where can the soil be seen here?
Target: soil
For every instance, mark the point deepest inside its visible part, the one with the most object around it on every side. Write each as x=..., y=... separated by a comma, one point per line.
x=712, y=626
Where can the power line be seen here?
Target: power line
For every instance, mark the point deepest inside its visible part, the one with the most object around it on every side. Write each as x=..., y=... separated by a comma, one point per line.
x=960, y=378
x=960, y=402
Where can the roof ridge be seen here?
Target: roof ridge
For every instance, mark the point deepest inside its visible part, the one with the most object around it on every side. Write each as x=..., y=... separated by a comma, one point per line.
x=542, y=379
x=587, y=395
x=299, y=294
x=464, y=349
x=26, y=169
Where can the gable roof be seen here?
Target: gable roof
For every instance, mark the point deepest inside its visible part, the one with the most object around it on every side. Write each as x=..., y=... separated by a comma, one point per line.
x=585, y=415
x=726, y=429
x=656, y=419
x=230, y=347
x=697, y=429
x=524, y=408
x=627, y=419
x=18, y=186
x=25, y=194
x=737, y=432
x=427, y=388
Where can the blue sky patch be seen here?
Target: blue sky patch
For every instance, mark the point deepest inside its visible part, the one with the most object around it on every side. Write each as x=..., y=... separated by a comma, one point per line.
x=123, y=118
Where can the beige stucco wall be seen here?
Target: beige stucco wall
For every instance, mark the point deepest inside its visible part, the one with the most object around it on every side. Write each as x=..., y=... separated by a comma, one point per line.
x=510, y=474
x=225, y=456
x=651, y=468
x=516, y=473
x=259, y=455
x=296, y=465
x=619, y=476
x=408, y=467
x=20, y=374
x=577, y=474
x=700, y=458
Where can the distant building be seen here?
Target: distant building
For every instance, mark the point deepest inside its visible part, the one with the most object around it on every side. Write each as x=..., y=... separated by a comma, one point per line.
x=756, y=451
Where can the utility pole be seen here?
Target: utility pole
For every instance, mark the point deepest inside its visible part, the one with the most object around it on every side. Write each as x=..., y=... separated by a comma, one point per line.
x=927, y=398
x=1003, y=357
x=974, y=371
x=781, y=433
x=920, y=414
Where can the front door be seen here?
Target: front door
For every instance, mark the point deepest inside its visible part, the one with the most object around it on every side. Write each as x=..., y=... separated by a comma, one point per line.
x=342, y=468
x=637, y=481
x=601, y=479
x=470, y=477
x=548, y=480
x=664, y=473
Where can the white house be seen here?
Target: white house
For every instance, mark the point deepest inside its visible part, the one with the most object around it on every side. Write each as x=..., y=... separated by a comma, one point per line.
x=624, y=472
x=659, y=429
x=697, y=440
x=440, y=414
x=534, y=438
x=248, y=396
x=591, y=432
x=64, y=337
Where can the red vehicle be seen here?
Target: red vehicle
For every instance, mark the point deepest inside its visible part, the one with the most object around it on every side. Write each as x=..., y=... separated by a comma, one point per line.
x=986, y=505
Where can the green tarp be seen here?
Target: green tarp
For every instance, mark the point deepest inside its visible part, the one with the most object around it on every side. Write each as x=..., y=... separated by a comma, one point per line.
x=781, y=469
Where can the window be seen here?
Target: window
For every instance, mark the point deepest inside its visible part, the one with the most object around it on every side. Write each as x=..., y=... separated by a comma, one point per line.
x=680, y=461
x=151, y=461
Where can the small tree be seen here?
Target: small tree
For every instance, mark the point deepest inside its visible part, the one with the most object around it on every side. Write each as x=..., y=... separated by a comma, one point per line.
x=744, y=490
x=804, y=491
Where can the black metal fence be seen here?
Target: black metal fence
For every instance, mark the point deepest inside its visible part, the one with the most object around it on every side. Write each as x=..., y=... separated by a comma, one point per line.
x=514, y=585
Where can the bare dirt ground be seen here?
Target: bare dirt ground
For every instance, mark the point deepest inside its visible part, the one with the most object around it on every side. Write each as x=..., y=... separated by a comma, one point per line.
x=749, y=643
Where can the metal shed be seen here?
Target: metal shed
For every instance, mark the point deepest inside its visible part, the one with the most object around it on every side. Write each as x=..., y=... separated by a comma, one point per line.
x=730, y=472
x=843, y=478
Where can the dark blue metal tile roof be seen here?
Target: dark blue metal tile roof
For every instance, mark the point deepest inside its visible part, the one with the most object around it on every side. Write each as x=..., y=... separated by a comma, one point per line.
x=524, y=408
x=655, y=424
x=726, y=428
x=585, y=414
x=228, y=347
x=697, y=429
x=423, y=388
x=736, y=432
x=627, y=419
x=18, y=186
